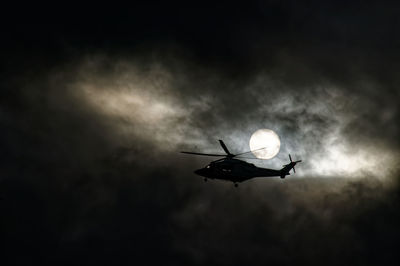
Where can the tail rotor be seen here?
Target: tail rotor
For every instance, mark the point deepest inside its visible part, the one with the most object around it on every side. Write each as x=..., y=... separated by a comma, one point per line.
x=290, y=158
x=293, y=163
x=287, y=167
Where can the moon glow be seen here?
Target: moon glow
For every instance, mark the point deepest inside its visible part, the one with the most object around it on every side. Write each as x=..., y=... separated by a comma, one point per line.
x=265, y=138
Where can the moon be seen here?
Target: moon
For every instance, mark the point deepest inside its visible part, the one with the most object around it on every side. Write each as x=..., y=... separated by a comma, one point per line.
x=265, y=138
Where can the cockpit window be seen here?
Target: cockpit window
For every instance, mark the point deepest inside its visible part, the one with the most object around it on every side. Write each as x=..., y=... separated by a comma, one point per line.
x=207, y=166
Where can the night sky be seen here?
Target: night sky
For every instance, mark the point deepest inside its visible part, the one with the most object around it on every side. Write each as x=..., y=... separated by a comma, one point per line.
x=97, y=101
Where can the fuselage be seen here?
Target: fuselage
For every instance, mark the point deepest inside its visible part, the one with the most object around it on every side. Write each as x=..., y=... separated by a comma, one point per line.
x=235, y=170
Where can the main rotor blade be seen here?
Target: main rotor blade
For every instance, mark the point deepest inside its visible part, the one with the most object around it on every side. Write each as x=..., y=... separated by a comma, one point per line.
x=224, y=147
x=250, y=151
x=249, y=158
x=204, y=154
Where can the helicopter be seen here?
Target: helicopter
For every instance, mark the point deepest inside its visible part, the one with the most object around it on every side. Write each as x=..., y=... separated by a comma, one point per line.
x=236, y=170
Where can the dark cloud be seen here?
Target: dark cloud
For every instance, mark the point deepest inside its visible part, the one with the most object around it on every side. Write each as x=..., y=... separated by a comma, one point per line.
x=95, y=110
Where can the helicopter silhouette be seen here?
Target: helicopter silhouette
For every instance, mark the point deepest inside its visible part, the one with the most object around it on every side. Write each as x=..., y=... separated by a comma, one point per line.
x=236, y=170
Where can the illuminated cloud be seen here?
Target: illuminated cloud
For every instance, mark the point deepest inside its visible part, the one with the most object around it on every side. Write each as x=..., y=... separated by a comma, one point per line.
x=311, y=122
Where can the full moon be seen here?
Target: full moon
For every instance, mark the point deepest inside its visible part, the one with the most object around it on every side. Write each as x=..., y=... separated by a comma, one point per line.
x=265, y=144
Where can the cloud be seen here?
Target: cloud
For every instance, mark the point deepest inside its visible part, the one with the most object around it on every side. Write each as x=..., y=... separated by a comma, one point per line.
x=317, y=124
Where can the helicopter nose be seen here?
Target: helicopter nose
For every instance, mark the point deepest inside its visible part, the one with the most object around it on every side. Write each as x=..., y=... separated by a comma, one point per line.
x=199, y=172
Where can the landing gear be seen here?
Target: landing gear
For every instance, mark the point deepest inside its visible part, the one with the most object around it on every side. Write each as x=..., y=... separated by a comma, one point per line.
x=236, y=184
x=205, y=179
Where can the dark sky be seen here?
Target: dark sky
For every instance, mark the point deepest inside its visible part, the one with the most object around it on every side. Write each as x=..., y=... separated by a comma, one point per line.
x=96, y=102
